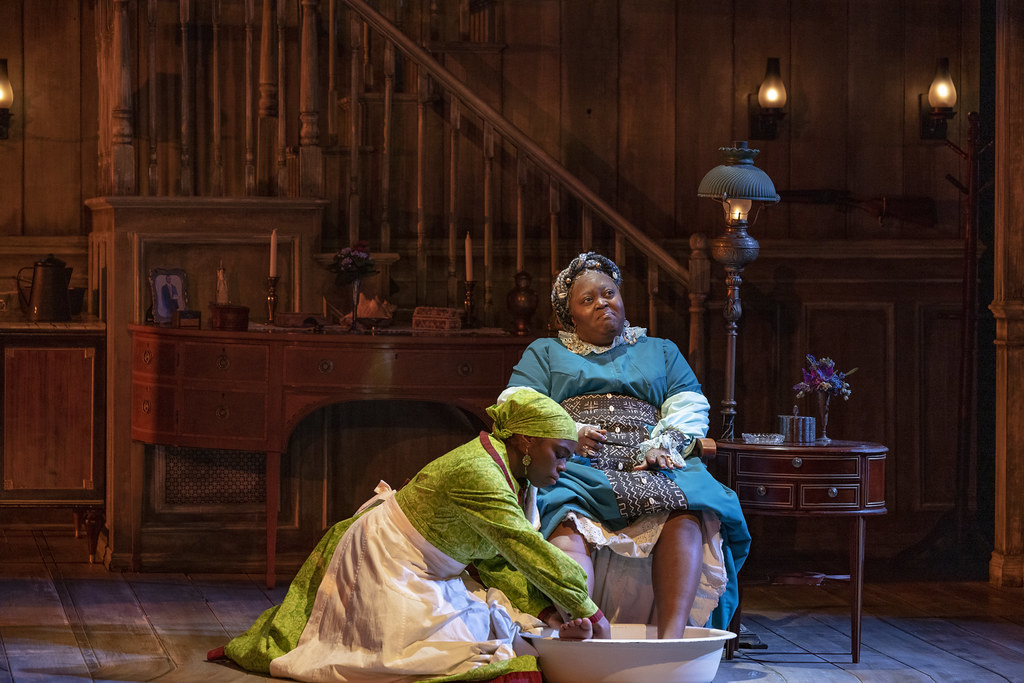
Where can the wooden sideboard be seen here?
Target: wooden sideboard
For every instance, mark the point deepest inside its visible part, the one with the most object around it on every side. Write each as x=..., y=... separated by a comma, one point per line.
x=248, y=390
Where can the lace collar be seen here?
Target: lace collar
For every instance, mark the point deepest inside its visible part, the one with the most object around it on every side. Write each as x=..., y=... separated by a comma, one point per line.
x=629, y=336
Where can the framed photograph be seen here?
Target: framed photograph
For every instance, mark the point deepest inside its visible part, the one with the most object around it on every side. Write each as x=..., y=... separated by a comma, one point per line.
x=169, y=287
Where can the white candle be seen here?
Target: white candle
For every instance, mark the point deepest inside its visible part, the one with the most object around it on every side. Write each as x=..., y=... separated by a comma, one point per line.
x=273, y=253
x=469, y=258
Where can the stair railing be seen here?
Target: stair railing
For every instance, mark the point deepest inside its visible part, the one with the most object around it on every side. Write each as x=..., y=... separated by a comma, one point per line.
x=695, y=278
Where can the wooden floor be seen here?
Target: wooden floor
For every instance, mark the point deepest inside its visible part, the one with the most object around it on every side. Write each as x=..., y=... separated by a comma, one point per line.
x=64, y=619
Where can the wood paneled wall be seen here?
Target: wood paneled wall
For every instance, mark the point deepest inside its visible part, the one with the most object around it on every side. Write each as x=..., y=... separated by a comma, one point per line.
x=635, y=98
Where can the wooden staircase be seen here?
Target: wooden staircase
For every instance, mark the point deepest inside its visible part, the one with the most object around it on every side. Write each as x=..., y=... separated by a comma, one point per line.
x=406, y=155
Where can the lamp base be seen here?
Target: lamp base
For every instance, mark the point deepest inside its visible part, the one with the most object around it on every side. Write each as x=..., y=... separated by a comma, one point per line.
x=764, y=123
x=933, y=119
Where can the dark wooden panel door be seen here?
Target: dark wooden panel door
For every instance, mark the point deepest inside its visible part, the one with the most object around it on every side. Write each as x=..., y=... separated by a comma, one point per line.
x=49, y=422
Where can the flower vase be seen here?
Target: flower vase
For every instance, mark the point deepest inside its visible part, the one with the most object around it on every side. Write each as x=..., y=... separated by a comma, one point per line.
x=824, y=398
x=355, y=304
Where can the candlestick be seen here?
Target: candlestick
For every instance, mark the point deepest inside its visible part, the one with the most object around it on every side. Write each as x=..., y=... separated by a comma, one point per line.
x=272, y=298
x=469, y=258
x=222, y=286
x=467, y=306
x=273, y=253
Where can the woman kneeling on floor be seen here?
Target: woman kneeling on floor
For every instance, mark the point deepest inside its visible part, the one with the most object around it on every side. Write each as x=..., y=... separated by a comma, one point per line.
x=385, y=594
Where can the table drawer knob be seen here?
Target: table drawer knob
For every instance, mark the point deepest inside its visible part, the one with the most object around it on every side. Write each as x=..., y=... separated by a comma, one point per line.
x=147, y=407
x=223, y=362
x=147, y=356
x=325, y=366
x=466, y=369
x=833, y=492
x=222, y=412
x=798, y=462
x=762, y=491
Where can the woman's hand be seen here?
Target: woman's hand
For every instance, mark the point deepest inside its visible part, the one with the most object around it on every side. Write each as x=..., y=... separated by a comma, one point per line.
x=603, y=629
x=590, y=440
x=659, y=459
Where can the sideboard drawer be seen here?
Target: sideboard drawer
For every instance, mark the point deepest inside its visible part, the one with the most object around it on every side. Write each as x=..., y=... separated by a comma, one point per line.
x=323, y=366
x=153, y=412
x=831, y=497
x=224, y=361
x=766, y=495
x=224, y=414
x=154, y=357
x=798, y=465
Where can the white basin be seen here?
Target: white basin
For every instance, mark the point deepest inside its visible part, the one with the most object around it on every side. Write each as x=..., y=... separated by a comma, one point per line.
x=691, y=659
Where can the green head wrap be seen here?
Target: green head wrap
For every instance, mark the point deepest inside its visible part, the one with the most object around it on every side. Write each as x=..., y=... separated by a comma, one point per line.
x=531, y=413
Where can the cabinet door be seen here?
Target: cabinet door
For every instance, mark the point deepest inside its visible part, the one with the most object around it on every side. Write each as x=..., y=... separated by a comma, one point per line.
x=48, y=422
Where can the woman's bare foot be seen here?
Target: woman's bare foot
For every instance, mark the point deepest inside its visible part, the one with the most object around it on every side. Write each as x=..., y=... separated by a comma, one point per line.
x=576, y=629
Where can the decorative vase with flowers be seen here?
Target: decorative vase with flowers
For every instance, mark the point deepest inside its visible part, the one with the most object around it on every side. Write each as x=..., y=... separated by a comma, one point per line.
x=821, y=379
x=350, y=265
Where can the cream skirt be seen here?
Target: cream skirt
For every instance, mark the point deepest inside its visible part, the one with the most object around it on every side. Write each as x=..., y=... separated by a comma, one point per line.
x=393, y=607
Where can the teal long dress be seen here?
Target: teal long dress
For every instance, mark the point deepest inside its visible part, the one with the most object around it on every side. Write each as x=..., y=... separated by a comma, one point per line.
x=653, y=370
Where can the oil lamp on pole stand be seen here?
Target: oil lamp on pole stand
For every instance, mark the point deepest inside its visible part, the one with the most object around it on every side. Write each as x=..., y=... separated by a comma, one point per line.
x=736, y=184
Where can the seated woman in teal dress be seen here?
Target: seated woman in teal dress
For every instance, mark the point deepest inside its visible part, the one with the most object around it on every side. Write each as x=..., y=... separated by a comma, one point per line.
x=634, y=499
x=385, y=595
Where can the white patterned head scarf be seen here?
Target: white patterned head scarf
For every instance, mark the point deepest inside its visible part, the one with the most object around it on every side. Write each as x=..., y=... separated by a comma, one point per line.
x=590, y=260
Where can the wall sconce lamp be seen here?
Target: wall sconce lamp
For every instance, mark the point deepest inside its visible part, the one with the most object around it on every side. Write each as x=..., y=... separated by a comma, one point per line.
x=736, y=184
x=6, y=100
x=940, y=102
x=766, y=110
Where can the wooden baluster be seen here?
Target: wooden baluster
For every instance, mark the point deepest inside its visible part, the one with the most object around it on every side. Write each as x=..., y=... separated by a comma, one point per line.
x=422, y=98
x=488, y=150
x=587, y=228
x=282, y=110
x=266, y=132
x=250, y=150
x=153, y=175
x=520, y=213
x=354, y=124
x=123, y=149
x=185, y=173
x=455, y=297
x=311, y=156
x=332, y=75
x=652, y=292
x=698, y=287
x=554, y=208
x=435, y=21
x=367, y=62
x=385, y=152
x=217, y=181
x=464, y=20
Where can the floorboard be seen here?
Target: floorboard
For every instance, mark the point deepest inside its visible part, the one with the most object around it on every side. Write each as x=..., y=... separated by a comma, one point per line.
x=63, y=619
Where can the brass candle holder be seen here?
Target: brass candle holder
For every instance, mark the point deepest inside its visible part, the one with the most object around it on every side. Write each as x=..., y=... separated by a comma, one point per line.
x=468, y=320
x=272, y=299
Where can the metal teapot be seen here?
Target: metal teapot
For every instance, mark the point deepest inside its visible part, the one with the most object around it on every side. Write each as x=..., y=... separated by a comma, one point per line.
x=47, y=300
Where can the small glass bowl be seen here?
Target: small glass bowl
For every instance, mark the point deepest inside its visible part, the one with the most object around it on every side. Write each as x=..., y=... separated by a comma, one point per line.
x=771, y=439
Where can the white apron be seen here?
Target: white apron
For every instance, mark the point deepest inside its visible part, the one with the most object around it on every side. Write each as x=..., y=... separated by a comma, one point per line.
x=392, y=607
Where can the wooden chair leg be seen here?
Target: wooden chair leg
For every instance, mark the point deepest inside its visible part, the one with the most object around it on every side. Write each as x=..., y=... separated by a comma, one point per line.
x=733, y=643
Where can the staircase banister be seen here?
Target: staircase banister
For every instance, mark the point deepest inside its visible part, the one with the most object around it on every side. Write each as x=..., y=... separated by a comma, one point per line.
x=522, y=142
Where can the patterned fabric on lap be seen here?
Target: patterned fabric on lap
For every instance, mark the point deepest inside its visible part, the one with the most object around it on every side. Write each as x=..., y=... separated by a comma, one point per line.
x=628, y=422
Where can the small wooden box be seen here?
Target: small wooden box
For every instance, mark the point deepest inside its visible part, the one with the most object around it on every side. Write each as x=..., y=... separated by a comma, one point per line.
x=186, y=318
x=436, y=319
